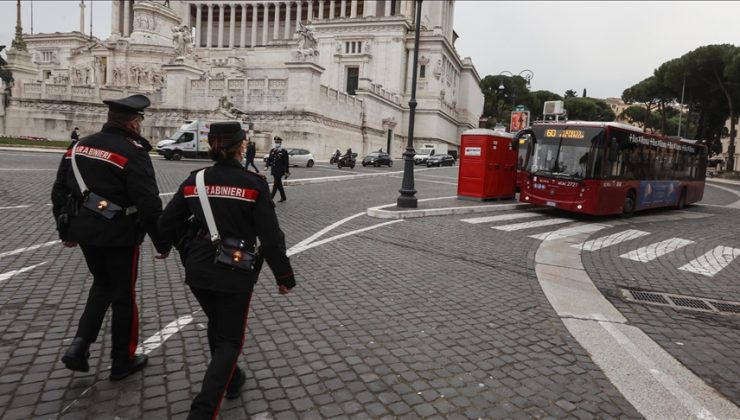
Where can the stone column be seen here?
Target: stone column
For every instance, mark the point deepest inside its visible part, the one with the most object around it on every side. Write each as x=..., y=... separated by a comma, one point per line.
x=369, y=9
x=232, y=24
x=198, y=25
x=404, y=7
x=287, y=20
x=265, y=22
x=309, y=18
x=126, y=18
x=298, y=13
x=342, y=9
x=388, y=11
x=82, y=17
x=276, y=22
x=321, y=9
x=353, y=9
x=331, y=9
x=116, y=17
x=209, y=27
x=253, y=41
x=243, y=34
x=220, y=26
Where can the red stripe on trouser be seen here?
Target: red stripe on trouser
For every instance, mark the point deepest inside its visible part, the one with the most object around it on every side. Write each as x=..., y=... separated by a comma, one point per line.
x=233, y=367
x=134, y=337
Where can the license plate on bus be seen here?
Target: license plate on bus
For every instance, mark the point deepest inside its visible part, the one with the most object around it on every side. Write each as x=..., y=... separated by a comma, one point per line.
x=550, y=203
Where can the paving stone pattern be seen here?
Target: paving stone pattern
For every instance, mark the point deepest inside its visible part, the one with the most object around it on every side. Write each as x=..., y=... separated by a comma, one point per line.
x=427, y=317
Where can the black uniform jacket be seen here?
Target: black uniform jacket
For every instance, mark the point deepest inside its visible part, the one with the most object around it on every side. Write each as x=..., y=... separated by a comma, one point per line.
x=242, y=209
x=279, y=162
x=115, y=164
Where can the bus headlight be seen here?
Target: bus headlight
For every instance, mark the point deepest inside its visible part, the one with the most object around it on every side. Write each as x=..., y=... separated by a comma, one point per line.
x=526, y=198
x=579, y=207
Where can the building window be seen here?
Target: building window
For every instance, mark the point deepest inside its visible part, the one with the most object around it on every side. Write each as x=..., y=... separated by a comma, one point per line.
x=353, y=47
x=353, y=78
x=46, y=56
x=422, y=71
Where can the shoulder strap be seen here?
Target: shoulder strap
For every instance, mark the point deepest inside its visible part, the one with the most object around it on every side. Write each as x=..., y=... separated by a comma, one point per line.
x=76, y=170
x=200, y=185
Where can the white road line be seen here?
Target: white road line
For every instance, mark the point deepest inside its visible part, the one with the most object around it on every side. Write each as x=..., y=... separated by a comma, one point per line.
x=295, y=250
x=502, y=217
x=658, y=249
x=10, y=274
x=609, y=240
x=323, y=231
x=568, y=232
x=529, y=225
x=15, y=207
x=712, y=262
x=28, y=248
x=27, y=169
x=420, y=179
x=154, y=342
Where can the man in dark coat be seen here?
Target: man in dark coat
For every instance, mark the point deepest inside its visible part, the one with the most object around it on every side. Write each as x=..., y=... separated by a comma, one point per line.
x=279, y=167
x=75, y=137
x=105, y=199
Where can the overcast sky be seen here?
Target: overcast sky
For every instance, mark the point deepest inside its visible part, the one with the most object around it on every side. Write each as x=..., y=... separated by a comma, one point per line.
x=604, y=47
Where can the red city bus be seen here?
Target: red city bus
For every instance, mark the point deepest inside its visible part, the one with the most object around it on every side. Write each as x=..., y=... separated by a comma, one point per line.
x=604, y=168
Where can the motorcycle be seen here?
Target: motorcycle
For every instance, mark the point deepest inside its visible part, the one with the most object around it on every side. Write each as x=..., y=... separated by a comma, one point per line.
x=334, y=158
x=348, y=161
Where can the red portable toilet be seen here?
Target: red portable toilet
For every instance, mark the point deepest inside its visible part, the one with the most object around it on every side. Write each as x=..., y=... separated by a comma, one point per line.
x=487, y=165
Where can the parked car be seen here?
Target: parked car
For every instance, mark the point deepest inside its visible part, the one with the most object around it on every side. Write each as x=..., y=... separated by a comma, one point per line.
x=297, y=157
x=440, y=160
x=377, y=158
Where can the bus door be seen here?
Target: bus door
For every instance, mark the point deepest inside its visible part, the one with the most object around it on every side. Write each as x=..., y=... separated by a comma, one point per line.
x=616, y=149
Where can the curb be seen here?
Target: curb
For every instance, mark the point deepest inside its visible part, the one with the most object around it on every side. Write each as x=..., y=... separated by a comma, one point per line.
x=380, y=212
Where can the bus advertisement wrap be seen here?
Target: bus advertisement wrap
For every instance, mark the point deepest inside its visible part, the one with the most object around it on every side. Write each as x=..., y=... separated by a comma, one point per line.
x=657, y=193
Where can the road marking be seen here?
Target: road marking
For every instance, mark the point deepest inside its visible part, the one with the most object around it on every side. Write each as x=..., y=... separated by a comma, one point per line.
x=28, y=248
x=500, y=218
x=528, y=225
x=15, y=207
x=27, y=169
x=609, y=240
x=571, y=231
x=154, y=342
x=658, y=249
x=712, y=262
x=323, y=231
x=10, y=274
x=295, y=250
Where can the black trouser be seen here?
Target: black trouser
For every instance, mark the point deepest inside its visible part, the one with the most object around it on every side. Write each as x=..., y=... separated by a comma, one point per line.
x=251, y=162
x=114, y=271
x=277, y=185
x=227, y=321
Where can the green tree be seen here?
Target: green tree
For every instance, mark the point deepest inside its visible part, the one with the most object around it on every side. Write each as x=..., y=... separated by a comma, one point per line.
x=501, y=95
x=570, y=93
x=588, y=109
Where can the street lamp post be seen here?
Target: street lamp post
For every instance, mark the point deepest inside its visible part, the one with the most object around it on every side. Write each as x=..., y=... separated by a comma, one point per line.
x=525, y=74
x=407, y=199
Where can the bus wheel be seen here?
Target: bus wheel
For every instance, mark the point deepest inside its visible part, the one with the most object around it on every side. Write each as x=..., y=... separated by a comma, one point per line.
x=628, y=209
x=176, y=155
x=681, y=200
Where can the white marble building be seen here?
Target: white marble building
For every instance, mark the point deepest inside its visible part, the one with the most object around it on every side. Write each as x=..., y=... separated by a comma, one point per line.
x=321, y=74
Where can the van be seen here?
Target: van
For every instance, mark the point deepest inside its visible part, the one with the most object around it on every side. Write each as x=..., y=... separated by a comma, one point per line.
x=427, y=151
x=182, y=143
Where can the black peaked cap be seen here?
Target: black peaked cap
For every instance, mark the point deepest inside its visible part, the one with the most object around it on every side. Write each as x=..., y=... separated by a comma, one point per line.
x=225, y=134
x=133, y=104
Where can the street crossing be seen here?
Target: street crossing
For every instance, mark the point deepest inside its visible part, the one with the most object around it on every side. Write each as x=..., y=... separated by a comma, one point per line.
x=708, y=264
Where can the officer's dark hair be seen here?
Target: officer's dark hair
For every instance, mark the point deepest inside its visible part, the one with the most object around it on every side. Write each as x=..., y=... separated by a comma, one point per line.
x=225, y=139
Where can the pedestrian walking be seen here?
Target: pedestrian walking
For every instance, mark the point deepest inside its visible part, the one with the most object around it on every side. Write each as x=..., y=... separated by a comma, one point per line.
x=75, y=136
x=251, y=152
x=227, y=208
x=105, y=199
x=279, y=164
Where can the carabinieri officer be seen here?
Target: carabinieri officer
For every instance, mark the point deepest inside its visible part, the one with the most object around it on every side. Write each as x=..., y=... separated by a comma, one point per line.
x=105, y=199
x=242, y=211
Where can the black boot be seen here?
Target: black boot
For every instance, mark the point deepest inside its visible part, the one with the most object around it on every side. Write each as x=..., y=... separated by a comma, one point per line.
x=123, y=368
x=236, y=384
x=75, y=358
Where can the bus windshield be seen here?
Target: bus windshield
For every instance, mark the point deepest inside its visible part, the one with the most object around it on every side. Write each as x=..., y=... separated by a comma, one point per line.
x=566, y=152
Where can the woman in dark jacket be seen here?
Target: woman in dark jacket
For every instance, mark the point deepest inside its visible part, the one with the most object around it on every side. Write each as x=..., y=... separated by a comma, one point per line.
x=242, y=211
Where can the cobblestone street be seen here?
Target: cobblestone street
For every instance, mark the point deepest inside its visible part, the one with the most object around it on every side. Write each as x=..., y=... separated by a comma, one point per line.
x=438, y=316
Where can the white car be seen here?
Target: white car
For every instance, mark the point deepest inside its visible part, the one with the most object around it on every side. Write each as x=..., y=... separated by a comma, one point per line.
x=297, y=157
